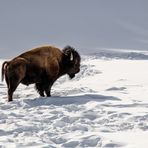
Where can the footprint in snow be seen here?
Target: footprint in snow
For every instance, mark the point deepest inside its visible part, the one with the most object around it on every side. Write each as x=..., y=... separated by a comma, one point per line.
x=116, y=89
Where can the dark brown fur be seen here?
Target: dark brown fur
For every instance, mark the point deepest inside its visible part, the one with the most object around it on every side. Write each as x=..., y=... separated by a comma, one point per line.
x=42, y=66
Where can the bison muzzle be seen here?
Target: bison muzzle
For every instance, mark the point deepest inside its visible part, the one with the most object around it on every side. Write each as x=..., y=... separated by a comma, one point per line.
x=42, y=66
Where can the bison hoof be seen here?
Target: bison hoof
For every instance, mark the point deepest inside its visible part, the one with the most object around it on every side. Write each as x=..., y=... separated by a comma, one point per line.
x=42, y=95
x=9, y=100
x=48, y=95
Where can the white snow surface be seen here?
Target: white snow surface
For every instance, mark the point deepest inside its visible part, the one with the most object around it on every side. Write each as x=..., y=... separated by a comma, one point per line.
x=105, y=105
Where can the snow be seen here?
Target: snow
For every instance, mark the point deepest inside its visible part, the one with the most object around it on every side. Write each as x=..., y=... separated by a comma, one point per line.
x=105, y=105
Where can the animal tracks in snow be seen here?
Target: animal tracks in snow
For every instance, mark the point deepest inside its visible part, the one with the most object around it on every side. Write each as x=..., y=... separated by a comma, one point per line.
x=104, y=106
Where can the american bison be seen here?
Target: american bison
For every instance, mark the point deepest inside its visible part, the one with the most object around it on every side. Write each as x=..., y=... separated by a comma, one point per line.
x=42, y=66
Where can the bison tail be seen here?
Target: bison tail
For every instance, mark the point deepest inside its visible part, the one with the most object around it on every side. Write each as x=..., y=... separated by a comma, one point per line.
x=4, y=66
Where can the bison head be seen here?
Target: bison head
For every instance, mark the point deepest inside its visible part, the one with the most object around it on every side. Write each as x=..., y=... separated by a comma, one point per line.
x=72, y=61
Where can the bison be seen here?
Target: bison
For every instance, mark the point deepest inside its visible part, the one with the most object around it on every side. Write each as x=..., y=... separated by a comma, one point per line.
x=42, y=66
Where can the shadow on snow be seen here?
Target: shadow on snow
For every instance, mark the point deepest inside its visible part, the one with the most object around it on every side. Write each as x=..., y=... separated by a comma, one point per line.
x=59, y=101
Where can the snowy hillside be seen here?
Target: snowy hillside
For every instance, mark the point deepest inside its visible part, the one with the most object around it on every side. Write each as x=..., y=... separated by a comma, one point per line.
x=105, y=105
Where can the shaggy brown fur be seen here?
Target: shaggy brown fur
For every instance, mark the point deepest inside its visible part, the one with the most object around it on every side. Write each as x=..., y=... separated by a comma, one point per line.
x=42, y=66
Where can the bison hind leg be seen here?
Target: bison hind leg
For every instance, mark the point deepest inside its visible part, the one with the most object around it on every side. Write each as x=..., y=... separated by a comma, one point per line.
x=13, y=83
x=40, y=89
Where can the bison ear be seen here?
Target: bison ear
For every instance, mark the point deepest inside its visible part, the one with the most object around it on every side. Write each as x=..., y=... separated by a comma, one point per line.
x=68, y=52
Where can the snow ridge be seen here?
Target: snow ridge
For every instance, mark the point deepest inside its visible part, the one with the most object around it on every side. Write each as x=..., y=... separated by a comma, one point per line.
x=121, y=54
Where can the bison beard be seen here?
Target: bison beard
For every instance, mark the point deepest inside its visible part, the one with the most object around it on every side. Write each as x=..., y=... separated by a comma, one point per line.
x=42, y=66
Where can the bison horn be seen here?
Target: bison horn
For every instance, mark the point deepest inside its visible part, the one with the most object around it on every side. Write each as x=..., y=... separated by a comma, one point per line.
x=71, y=56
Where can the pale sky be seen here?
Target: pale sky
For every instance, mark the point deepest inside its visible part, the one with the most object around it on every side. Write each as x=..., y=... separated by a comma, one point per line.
x=87, y=25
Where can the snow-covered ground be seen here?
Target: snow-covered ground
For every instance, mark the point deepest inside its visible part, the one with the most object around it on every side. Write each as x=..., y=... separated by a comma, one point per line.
x=105, y=105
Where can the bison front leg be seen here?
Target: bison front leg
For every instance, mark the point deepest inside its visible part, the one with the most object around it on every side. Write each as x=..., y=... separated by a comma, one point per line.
x=40, y=89
x=43, y=87
x=48, y=89
x=48, y=93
